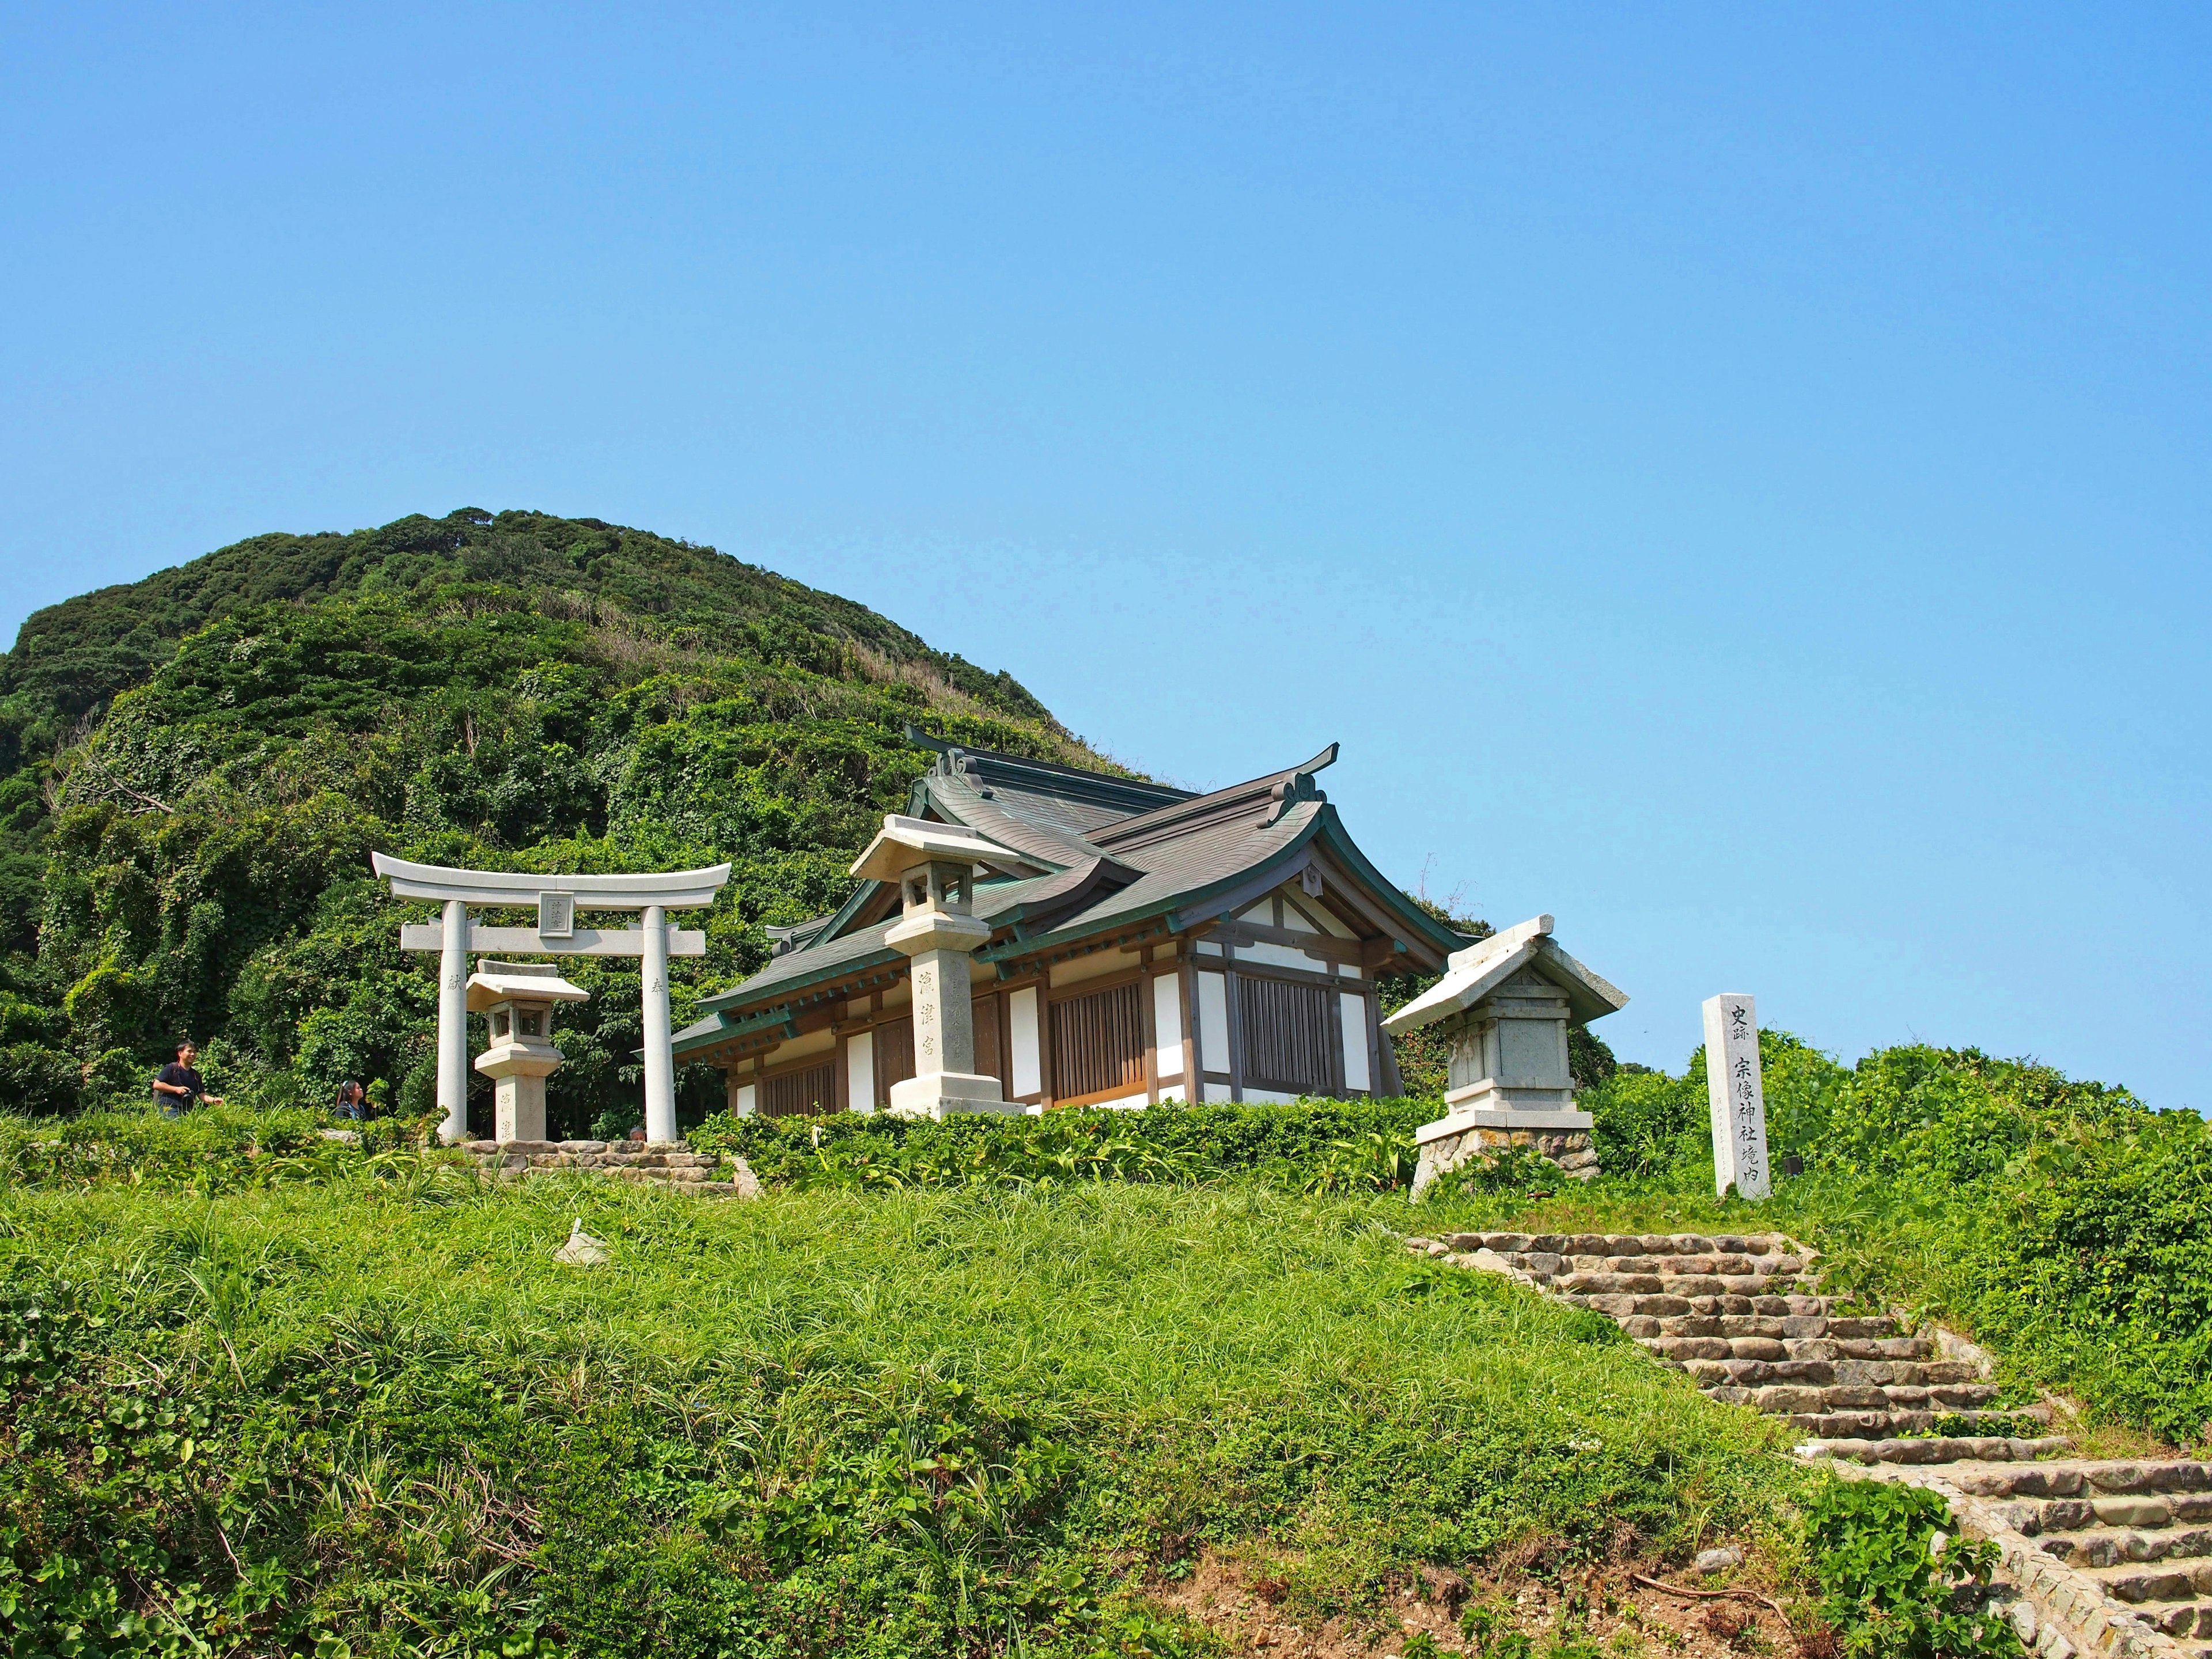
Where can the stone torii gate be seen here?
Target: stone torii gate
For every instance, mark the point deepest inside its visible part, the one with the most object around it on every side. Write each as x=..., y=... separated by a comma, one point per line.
x=557, y=899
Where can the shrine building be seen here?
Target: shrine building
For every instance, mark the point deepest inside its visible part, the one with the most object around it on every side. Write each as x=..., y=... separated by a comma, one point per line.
x=1144, y=944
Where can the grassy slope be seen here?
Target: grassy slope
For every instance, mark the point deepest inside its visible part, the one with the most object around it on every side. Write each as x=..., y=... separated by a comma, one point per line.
x=927, y=1422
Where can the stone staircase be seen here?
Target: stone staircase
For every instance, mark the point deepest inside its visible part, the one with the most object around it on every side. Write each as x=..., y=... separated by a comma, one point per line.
x=2107, y=1557
x=668, y=1163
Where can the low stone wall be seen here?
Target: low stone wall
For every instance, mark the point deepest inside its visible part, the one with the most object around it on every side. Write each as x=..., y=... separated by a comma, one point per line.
x=1568, y=1148
x=670, y=1164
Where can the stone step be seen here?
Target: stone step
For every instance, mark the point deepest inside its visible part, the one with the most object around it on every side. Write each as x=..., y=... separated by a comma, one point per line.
x=1671, y=1307
x=1785, y=1347
x=2157, y=1542
x=1745, y=1284
x=1792, y=1400
x=1704, y=1267
x=2132, y=1510
x=1975, y=1449
x=1894, y=1424
x=2139, y=1581
x=1825, y=1373
x=1784, y=1325
x=1630, y=1243
x=2181, y=1479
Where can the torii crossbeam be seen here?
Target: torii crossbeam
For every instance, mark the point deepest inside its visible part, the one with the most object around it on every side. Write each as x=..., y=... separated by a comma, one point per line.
x=557, y=899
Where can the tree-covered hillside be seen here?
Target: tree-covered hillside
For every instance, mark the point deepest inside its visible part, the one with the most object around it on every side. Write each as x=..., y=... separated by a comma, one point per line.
x=194, y=768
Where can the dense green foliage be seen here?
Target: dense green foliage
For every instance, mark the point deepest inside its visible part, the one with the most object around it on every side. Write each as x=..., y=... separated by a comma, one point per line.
x=194, y=768
x=366, y=1414
x=1321, y=1146
x=2065, y=1225
x=1887, y=1591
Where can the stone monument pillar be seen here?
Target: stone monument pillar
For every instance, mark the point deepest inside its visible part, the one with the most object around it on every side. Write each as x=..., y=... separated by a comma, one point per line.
x=1737, y=1095
x=940, y=932
x=517, y=998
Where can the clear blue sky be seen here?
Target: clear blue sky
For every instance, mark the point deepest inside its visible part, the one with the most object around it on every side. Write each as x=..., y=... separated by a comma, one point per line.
x=1734, y=478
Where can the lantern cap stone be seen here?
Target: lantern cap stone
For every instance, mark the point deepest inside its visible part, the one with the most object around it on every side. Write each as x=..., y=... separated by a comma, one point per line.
x=904, y=843
x=495, y=982
x=1484, y=966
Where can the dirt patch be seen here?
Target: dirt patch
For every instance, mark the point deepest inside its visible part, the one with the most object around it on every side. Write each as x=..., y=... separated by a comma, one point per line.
x=1244, y=1598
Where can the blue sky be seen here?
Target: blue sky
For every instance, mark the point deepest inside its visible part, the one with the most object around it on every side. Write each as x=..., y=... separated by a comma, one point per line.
x=1735, y=478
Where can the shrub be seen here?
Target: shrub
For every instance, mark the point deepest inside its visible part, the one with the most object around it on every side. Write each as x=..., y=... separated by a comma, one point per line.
x=1320, y=1145
x=1887, y=1590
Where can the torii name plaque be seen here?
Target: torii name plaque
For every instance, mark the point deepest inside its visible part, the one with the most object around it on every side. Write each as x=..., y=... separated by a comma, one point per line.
x=557, y=899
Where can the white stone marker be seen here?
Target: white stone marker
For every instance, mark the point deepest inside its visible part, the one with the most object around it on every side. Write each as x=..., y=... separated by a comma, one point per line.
x=1737, y=1095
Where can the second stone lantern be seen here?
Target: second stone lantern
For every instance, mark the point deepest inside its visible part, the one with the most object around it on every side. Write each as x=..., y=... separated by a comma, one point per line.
x=517, y=998
x=935, y=865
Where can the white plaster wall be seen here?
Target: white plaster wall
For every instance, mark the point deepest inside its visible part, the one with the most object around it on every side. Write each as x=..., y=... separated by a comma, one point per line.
x=1355, y=1042
x=1173, y=1091
x=1216, y=1092
x=1207, y=947
x=1263, y=1098
x=1119, y=1103
x=743, y=1103
x=1213, y=1022
x=1167, y=1023
x=1348, y=970
x=1028, y=1074
x=1330, y=921
x=1263, y=913
x=860, y=1072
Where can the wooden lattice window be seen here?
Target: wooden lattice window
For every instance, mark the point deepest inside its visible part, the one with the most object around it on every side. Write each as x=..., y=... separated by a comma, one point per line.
x=1290, y=1038
x=1099, y=1044
x=803, y=1093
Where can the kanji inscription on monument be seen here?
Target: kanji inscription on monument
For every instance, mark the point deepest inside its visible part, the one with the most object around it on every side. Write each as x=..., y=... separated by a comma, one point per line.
x=1737, y=1095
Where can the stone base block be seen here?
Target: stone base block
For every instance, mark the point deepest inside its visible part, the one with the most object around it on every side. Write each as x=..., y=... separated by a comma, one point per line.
x=1568, y=1148
x=943, y=1094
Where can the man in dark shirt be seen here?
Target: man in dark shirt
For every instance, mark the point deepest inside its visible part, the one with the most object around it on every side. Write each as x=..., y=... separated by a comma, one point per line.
x=178, y=1088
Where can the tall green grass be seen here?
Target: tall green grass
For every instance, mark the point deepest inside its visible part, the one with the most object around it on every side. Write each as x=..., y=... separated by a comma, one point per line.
x=374, y=1413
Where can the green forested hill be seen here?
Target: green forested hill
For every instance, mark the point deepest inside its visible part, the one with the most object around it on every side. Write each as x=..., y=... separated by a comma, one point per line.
x=194, y=768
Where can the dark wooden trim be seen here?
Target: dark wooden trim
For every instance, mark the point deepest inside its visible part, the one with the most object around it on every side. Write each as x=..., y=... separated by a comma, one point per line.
x=1296, y=975
x=1336, y=1045
x=1233, y=997
x=1327, y=946
x=1148, y=1017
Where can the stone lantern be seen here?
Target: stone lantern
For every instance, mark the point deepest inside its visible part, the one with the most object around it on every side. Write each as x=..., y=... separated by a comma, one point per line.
x=935, y=865
x=517, y=998
x=1505, y=1004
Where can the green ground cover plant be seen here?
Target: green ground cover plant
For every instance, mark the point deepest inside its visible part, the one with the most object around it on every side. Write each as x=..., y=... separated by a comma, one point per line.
x=1894, y=1584
x=367, y=1413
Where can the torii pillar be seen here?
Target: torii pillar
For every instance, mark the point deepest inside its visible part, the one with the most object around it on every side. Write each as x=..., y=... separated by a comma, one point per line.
x=556, y=900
